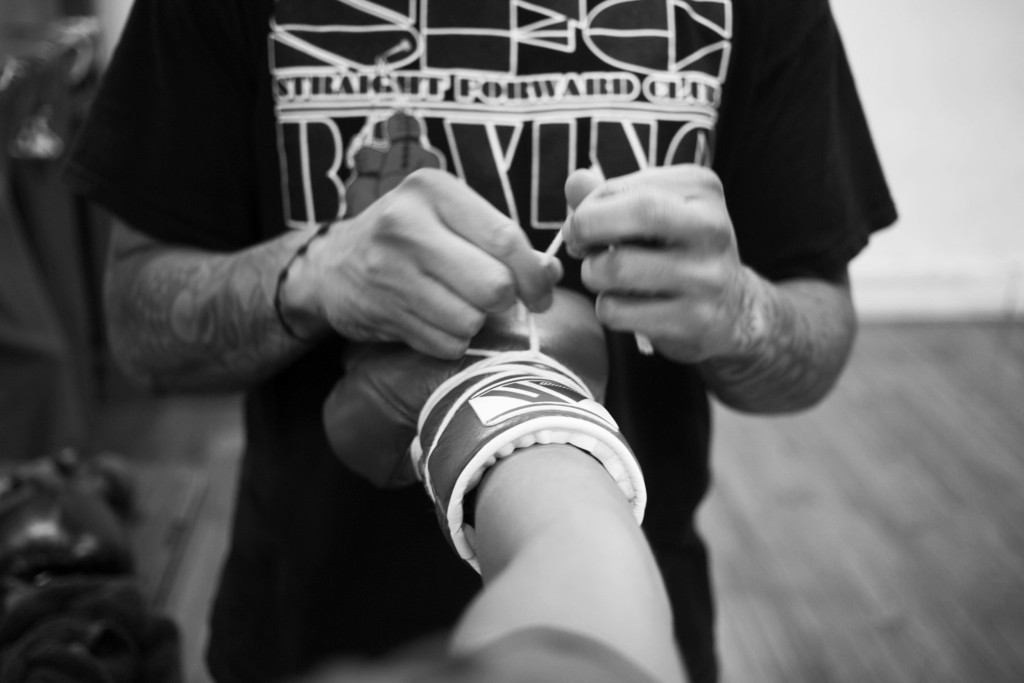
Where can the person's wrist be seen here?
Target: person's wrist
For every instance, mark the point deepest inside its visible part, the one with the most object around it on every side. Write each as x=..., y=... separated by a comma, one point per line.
x=299, y=306
x=296, y=297
x=752, y=321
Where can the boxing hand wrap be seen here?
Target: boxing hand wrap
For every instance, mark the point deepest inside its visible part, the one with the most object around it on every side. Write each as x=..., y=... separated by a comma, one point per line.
x=526, y=379
x=507, y=401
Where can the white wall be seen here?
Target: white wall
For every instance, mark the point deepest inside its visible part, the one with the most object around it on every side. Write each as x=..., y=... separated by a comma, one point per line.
x=943, y=85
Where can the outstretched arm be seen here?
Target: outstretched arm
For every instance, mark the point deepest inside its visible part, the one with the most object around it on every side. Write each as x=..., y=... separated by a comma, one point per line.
x=571, y=589
x=554, y=528
x=559, y=548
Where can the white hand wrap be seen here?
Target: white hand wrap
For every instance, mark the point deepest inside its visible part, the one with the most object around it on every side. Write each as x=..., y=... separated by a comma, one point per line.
x=507, y=401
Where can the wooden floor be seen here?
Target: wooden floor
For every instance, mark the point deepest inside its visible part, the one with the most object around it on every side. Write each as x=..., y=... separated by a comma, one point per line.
x=878, y=537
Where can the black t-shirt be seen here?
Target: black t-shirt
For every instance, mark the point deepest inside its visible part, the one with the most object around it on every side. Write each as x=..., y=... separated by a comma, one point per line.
x=221, y=123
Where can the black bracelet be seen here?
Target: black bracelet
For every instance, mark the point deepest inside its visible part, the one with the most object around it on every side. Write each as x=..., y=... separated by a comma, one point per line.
x=283, y=275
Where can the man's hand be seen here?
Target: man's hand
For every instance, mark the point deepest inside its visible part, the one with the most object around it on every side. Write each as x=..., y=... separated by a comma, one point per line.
x=422, y=265
x=658, y=248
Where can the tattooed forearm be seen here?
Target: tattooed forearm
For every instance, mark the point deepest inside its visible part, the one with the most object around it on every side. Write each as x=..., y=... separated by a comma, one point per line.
x=799, y=337
x=184, y=319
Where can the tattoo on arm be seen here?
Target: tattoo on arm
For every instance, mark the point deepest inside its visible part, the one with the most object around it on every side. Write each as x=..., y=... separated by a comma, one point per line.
x=799, y=333
x=193, y=320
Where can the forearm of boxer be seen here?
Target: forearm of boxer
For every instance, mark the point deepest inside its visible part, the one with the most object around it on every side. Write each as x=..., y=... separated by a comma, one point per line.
x=563, y=494
x=795, y=338
x=186, y=319
x=559, y=547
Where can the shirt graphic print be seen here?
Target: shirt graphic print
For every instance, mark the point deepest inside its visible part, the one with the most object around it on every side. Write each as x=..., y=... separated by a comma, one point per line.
x=508, y=96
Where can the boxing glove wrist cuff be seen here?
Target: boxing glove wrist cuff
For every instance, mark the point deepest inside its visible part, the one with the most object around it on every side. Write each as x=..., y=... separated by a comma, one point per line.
x=498, y=405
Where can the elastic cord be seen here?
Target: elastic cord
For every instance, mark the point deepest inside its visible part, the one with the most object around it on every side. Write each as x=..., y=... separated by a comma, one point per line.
x=643, y=342
x=283, y=276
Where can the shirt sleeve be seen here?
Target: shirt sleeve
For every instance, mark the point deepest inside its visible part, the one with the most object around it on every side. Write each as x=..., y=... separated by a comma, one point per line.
x=802, y=179
x=166, y=143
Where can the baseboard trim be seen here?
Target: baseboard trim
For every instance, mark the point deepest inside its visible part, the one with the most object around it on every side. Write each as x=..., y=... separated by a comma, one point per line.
x=975, y=291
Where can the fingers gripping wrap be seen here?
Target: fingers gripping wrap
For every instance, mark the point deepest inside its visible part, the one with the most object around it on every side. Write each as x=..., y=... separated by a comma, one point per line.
x=507, y=401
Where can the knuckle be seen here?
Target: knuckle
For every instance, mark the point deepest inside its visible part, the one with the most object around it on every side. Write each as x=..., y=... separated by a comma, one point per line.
x=624, y=184
x=594, y=272
x=501, y=293
x=611, y=267
x=465, y=326
x=710, y=279
x=699, y=175
x=454, y=350
x=504, y=239
x=603, y=311
x=420, y=179
x=608, y=311
x=709, y=180
x=705, y=315
x=391, y=218
x=373, y=264
x=494, y=289
x=396, y=227
x=588, y=277
x=652, y=210
x=474, y=321
x=719, y=236
x=698, y=182
x=578, y=230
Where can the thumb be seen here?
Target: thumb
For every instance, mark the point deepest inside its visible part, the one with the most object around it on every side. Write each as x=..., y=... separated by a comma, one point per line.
x=580, y=184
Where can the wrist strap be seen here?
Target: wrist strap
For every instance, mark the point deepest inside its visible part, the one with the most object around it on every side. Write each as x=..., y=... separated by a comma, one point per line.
x=486, y=412
x=283, y=276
